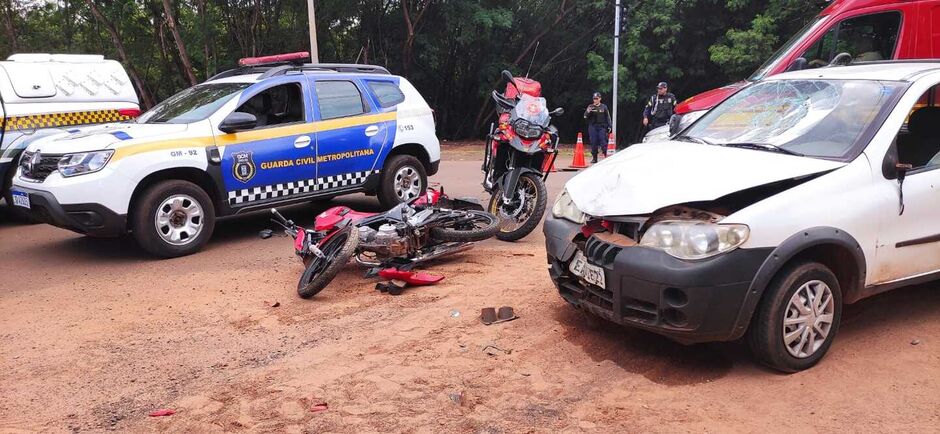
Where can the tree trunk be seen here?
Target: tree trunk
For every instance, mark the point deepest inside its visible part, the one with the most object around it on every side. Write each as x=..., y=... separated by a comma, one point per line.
x=188, y=74
x=145, y=96
x=9, y=23
x=407, y=51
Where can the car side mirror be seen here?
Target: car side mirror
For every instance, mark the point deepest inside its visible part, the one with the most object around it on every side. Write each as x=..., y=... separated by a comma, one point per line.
x=558, y=111
x=902, y=170
x=674, y=124
x=238, y=121
x=798, y=64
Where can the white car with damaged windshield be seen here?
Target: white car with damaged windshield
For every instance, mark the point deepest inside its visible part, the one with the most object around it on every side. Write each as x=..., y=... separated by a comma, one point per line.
x=797, y=195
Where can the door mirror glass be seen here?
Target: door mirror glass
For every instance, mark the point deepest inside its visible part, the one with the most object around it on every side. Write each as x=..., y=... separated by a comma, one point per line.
x=558, y=112
x=238, y=121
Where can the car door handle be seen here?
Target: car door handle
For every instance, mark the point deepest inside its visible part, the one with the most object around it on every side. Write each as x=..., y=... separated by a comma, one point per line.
x=372, y=130
x=302, y=142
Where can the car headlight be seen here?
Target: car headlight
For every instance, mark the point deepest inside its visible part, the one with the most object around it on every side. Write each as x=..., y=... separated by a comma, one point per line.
x=84, y=162
x=565, y=208
x=694, y=239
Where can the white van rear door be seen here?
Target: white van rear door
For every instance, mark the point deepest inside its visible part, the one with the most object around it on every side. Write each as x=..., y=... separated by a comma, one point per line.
x=30, y=80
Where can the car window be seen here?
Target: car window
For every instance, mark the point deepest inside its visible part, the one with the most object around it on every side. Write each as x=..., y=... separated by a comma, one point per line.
x=867, y=38
x=193, y=104
x=918, y=141
x=339, y=99
x=784, y=50
x=387, y=93
x=279, y=105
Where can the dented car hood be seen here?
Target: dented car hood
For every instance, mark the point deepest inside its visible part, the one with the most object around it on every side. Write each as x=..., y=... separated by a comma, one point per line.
x=649, y=176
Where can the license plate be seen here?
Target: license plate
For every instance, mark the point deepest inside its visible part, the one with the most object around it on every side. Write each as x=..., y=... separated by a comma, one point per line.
x=20, y=199
x=590, y=273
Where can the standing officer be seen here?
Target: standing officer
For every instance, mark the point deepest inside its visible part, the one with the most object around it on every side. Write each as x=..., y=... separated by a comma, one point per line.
x=660, y=107
x=599, y=125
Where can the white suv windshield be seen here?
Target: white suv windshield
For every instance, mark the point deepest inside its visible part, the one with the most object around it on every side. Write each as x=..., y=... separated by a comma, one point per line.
x=816, y=118
x=193, y=104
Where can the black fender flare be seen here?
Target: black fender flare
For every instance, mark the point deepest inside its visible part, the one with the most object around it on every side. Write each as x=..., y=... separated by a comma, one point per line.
x=790, y=248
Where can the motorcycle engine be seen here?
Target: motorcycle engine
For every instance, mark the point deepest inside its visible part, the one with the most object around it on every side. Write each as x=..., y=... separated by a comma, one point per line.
x=385, y=242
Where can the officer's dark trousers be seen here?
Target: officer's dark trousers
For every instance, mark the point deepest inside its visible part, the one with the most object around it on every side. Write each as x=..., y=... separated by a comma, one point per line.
x=598, y=135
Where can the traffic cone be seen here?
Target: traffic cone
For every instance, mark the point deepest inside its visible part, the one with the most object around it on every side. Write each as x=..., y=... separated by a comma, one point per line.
x=611, y=145
x=548, y=164
x=578, y=161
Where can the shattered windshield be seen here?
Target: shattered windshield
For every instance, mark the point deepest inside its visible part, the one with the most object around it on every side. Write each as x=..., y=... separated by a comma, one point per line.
x=532, y=109
x=816, y=118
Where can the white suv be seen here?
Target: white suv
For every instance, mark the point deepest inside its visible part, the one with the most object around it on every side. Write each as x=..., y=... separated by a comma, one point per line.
x=795, y=196
x=245, y=140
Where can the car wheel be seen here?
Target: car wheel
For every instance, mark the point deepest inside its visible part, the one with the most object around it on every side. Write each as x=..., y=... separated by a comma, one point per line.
x=403, y=179
x=798, y=318
x=173, y=218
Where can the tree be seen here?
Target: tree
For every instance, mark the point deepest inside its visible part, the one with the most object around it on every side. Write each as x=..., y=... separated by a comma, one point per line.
x=145, y=96
x=187, y=69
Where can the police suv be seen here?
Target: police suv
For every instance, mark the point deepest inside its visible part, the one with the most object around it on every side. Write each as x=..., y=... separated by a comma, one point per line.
x=271, y=132
x=43, y=93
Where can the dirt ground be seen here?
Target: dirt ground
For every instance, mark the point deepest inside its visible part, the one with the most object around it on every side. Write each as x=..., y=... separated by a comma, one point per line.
x=94, y=335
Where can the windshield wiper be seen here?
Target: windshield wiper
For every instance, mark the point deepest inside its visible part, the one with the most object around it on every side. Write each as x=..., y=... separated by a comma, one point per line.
x=763, y=147
x=694, y=140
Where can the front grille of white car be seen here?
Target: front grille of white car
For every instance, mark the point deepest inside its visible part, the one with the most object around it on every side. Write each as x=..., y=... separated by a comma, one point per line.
x=39, y=169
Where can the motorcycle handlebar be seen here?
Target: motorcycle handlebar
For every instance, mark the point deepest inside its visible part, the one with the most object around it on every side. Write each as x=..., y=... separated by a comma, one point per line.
x=280, y=218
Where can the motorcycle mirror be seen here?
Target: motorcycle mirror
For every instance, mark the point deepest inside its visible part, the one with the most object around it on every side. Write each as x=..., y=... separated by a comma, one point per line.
x=558, y=111
x=509, y=77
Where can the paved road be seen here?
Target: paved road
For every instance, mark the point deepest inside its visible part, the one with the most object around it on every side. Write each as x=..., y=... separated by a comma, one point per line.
x=94, y=335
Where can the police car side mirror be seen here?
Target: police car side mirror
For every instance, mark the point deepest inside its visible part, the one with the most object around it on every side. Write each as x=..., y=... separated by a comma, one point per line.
x=238, y=121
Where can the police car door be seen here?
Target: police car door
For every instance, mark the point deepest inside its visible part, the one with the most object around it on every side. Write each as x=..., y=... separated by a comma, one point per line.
x=276, y=159
x=350, y=134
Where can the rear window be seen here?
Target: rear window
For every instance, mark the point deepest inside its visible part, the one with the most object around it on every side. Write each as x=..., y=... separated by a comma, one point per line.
x=339, y=99
x=387, y=93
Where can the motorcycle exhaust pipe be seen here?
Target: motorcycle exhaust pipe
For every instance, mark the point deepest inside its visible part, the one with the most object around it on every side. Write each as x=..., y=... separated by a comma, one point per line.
x=443, y=251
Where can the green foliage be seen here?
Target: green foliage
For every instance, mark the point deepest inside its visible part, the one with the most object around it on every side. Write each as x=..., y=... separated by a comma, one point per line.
x=744, y=49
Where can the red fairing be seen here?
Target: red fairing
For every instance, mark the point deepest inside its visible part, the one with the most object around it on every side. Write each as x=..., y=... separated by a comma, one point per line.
x=248, y=61
x=299, y=240
x=431, y=197
x=410, y=277
x=527, y=86
x=330, y=218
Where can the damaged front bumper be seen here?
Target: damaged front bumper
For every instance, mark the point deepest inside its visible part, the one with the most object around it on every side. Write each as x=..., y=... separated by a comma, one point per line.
x=687, y=301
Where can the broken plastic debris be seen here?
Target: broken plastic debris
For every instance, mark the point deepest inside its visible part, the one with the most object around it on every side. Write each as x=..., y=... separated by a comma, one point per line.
x=454, y=313
x=319, y=407
x=163, y=412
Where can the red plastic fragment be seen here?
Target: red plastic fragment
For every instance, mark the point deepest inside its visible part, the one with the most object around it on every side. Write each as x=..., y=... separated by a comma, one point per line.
x=163, y=412
x=319, y=407
x=410, y=277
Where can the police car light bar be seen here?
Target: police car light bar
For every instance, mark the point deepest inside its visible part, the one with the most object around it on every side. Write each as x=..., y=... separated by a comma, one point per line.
x=277, y=58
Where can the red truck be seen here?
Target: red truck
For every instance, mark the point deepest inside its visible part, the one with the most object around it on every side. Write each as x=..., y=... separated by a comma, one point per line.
x=868, y=30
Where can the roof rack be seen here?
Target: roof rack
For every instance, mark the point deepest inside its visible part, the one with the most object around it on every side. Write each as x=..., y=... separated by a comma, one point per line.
x=269, y=70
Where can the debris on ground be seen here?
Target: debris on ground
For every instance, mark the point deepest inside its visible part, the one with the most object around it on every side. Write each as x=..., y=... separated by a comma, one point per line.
x=493, y=350
x=272, y=303
x=318, y=407
x=454, y=313
x=915, y=342
x=489, y=315
x=162, y=412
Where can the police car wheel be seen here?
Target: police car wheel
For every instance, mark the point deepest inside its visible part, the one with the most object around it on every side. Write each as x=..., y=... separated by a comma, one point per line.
x=403, y=179
x=173, y=218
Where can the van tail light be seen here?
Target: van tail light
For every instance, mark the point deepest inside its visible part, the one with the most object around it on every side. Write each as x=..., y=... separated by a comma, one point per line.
x=129, y=112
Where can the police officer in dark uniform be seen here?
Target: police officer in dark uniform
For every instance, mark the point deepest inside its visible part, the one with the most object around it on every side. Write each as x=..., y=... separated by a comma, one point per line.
x=660, y=107
x=599, y=125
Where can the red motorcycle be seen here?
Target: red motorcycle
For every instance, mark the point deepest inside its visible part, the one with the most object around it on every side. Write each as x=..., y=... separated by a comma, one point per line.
x=428, y=227
x=521, y=148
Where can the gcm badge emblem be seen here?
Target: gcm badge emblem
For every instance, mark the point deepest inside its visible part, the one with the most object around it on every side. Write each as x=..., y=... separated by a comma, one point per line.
x=243, y=168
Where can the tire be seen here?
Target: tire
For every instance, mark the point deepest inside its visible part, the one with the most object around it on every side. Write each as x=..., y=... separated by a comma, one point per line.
x=485, y=226
x=506, y=231
x=766, y=336
x=321, y=271
x=190, y=216
x=403, y=179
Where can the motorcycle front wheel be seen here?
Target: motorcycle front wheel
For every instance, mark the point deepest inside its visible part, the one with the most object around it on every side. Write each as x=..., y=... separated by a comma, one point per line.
x=473, y=226
x=523, y=213
x=321, y=271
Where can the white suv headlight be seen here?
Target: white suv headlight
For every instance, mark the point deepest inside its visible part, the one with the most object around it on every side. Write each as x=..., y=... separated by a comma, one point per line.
x=84, y=162
x=694, y=239
x=565, y=208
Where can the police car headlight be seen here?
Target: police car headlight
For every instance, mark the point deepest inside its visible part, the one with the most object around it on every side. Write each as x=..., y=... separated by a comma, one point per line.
x=84, y=162
x=693, y=239
x=565, y=208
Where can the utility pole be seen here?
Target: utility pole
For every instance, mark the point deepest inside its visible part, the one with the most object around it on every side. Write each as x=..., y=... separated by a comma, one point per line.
x=312, y=19
x=616, y=64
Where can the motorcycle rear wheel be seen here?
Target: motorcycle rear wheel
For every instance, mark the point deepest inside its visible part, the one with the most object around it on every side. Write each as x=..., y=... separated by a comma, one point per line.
x=481, y=226
x=321, y=271
x=515, y=227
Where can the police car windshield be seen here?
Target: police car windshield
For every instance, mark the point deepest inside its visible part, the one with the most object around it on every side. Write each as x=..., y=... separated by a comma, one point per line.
x=193, y=104
x=815, y=118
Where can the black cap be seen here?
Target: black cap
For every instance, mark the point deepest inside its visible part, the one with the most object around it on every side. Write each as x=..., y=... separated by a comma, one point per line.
x=662, y=85
x=597, y=94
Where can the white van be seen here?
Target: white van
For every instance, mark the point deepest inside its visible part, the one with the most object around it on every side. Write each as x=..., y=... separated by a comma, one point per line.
x=798, y=194
x=41, y=93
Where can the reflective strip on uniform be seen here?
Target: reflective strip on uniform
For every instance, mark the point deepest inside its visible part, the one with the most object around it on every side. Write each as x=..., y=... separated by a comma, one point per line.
x=52, y=120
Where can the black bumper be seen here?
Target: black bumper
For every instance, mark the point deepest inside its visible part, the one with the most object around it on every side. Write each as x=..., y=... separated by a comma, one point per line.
x=687, y=301
x=87, y=219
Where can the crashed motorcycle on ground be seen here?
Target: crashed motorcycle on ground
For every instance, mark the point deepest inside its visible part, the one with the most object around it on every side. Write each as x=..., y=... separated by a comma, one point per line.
x=520, y=150
x=428, y=227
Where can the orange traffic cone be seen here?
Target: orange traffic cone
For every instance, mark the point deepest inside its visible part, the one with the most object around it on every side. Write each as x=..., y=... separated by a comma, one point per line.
x=611, y=145
x=578, y=161
x=548, y=164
